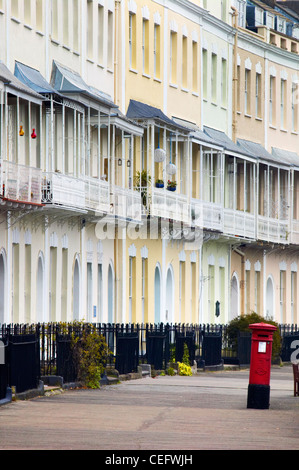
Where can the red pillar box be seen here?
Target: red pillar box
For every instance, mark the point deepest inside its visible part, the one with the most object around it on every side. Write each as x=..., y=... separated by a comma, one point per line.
x=260, y=366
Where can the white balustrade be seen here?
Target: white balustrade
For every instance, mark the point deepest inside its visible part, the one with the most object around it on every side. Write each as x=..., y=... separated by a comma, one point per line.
x=20, y=183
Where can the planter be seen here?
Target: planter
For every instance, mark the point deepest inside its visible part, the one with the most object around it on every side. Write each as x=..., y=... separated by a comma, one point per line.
x=171, y=188
x=159, y=185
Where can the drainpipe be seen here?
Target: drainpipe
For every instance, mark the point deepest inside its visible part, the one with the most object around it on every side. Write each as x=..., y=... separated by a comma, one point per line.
x=235, y=74
x=242, y=283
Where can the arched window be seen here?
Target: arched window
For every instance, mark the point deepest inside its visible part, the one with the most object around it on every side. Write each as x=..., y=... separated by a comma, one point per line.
x=2, y=287
x=157, y=295
x=169, y=313
x=110, y=294
x=40, y=293
x=76, y=290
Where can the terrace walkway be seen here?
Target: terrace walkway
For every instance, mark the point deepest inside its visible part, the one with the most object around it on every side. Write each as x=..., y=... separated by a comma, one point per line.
x=203, y=412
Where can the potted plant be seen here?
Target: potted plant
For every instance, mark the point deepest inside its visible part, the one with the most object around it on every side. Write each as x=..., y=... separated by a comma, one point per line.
x=171, y=185
x=142, y=180
x=159, y=183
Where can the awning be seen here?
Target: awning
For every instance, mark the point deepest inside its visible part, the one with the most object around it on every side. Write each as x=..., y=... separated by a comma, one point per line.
x=33, y=79
x=257, y=150
x=18, y=87
x=224, y=141
x=286, y=156
x=68, y=81
x=141, y=111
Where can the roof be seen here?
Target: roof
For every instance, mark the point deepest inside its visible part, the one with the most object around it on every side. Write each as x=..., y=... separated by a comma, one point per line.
x=33, y=78
x=224, y=141
x=67, y=81
x=256, y=150
x=9, y=79
x=285, y=155
x=138, y=110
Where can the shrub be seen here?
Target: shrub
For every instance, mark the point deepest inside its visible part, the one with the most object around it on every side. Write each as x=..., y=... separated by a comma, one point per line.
x=184, y=369
x=242, y=323
x=91, y=353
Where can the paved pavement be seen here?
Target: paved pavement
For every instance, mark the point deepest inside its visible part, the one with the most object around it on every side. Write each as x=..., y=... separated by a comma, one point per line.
x=203, y=412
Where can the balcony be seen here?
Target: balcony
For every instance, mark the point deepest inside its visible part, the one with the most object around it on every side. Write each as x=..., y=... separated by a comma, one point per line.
x=127, y=204
x=273, y=230
x=295, y=232
x=20, y=183
x=97, y=195
x=239, y=223
x=63, y=190
x=170, y=205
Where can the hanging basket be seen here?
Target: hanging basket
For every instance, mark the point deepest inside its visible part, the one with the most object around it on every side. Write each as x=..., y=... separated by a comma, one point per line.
x=171, y=169
x=160, y=155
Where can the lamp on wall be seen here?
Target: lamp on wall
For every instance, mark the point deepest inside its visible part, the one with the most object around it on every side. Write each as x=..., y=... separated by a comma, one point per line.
x=128, y=163
x=120, y=162
x=21, y=132
x=33, y=135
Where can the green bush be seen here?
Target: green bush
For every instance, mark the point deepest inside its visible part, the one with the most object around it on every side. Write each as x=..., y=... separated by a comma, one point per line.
x=242, y=323
x=91, y=353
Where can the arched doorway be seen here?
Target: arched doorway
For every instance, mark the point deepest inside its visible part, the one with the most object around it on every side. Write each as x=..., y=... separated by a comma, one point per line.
x=169, y=304
x=76, y=291
x=157, y=295
x=270, y=298
x=110, y=294
x=234, y=297
x=2, y=288
x=40, y=295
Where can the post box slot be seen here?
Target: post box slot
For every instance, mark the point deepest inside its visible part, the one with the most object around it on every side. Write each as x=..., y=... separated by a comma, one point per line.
x=262, y=336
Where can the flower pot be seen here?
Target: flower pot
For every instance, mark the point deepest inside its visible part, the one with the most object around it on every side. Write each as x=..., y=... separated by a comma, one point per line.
x=171, y=188
x=159, y=185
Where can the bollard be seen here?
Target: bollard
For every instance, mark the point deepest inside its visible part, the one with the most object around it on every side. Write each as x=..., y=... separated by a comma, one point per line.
x=260, y=366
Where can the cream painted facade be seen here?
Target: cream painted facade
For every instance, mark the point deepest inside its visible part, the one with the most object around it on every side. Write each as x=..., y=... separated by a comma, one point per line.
x=109, y=87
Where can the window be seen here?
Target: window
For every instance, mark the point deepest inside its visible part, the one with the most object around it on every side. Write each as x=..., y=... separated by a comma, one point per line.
x=64, y=286
x=75, y=25
x=205, y=72
x=145, y=46
x=173, y=57
x=15, y=8
x=184, y=62
x=66, y=22
x=239, y=88
x=293, y=296
x=132, y=40
x=247, y=296
x=100, y=292
x=55, y=20
x=294, y=107
x=89, y=29
x=282, y=295
x=144, y=289
x=224, y=83
x=272, y=91
x=194, y=66
x=157, y=52
x=282, y=103
x=257, y=290
x=182, y=291
x=214, y=78
x=89, y=291
x=100, y=33
x=258, y=107
x=39, y=15
x=27, y=12
x=247, y=91
x=110, y=41
x=27, y=286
